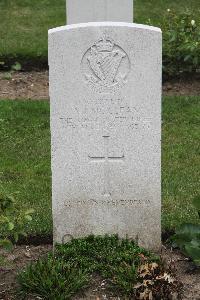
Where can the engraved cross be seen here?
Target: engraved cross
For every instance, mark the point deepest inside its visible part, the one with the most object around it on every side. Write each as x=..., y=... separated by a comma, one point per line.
x=106, y=159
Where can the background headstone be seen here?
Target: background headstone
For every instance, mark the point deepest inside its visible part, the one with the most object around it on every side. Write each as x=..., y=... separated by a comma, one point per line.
x=105, y=89
x=82, y=11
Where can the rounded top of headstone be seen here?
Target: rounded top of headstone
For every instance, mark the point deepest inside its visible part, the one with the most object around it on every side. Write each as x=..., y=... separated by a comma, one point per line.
x=104, y=24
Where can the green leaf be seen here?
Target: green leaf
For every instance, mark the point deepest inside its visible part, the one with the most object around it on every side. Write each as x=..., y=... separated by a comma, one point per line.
x=29, y=211
x=28, y=218
x=11, y=226
x=188, y=229
x=194, y=253
x=187, y=57
x=6, y=244
x=186, y=234
x=4, y=219
x=16, y=67
x=7, y=76
x=195, y=243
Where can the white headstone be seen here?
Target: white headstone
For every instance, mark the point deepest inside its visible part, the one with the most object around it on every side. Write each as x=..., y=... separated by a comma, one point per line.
x=105, y=89
x=82, y=11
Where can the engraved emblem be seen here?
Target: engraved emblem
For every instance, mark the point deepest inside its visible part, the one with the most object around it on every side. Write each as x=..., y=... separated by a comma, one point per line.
x=105, y=66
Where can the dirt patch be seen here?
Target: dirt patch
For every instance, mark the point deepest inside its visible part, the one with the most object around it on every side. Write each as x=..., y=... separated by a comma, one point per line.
x=35, y=85
x=184, y=86
x=24, y=85
x=22, y=255
x=185, y=272
x=16, y=261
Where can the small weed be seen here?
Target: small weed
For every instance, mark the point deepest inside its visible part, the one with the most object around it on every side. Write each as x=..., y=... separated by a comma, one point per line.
x=13, y=220
x=61, y=275
x=16, y=67
x=187, y=237
x=7, y=76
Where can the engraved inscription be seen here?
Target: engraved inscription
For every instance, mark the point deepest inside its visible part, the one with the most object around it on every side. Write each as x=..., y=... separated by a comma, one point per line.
x=105, y=66
x=111, y=112
x=108, y=202
x=106, y=159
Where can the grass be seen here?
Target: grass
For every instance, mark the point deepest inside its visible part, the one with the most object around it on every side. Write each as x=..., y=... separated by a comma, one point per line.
x=24, y=24
x=60, y=276
x=181, y=159
x=25, y=159
x=154, y=9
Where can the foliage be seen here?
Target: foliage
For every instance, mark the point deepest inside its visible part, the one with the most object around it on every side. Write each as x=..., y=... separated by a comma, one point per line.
x=16, y=67
x=52, y=279
x=187, y=237
x=12, y=221
x=61, y=275
x=7, y=76
x=181, y=43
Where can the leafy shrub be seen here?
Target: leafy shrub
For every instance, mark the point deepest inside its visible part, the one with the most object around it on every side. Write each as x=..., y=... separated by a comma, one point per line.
x=61, y=275
x=187, y=237
x=12, y=221
x=181, y=43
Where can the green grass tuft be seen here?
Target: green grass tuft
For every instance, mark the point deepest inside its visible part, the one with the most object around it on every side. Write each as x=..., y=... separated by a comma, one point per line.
x=61, y=275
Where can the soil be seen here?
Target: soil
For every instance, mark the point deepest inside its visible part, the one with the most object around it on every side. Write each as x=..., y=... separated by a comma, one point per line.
x=35, y=85
x=23, y=255
x=24, y=85
x=15, y=262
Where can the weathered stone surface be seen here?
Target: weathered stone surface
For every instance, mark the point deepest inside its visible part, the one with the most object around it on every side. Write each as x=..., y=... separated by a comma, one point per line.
x=105, y=90
x=82, y=11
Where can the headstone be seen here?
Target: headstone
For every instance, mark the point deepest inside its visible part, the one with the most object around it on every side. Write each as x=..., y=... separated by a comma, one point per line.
x=82, y=11
x=105, y=89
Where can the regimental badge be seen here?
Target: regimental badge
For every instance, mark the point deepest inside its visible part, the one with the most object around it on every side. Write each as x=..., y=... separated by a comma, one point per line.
x=105, y=66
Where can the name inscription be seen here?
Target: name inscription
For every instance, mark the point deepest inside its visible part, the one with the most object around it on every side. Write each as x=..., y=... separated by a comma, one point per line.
x=108, y=111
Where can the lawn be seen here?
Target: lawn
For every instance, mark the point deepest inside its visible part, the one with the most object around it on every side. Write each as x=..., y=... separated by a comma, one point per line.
x=25, y=158
x=155, y=9
x=24, y=24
